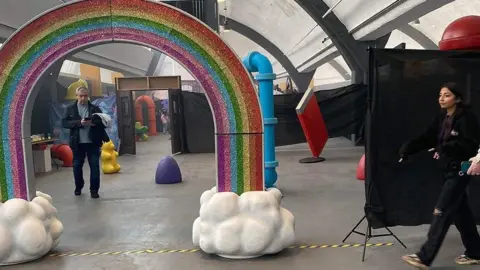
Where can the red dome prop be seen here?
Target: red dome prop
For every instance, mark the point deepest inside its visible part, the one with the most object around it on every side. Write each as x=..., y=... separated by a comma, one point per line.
x=462, y=34
x=361, y=169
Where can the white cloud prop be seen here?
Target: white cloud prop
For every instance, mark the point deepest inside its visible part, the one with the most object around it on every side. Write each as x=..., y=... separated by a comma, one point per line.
x=250, y=225
x=28, y=230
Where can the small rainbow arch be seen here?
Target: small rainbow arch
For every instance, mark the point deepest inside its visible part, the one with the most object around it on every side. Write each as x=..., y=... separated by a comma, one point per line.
x=81, y=24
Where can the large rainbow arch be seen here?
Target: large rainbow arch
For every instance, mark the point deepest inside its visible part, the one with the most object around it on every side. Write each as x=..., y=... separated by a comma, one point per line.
x=68, y=28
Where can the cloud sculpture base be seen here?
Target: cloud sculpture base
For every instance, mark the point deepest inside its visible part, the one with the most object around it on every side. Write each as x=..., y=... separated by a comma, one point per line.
x=241, y=227
x=28, y=230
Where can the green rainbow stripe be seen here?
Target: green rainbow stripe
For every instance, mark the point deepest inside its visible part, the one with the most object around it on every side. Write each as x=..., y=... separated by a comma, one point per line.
x=56, y=33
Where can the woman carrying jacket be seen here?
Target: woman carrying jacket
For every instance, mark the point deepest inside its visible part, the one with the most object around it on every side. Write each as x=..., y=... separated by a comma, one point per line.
x=452, y=137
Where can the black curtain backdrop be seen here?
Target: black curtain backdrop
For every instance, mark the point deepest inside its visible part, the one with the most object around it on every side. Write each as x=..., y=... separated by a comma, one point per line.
x=343, y=110
x=404, y=87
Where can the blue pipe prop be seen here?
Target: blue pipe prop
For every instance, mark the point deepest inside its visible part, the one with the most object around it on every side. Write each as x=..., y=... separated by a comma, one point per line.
x=257, y=62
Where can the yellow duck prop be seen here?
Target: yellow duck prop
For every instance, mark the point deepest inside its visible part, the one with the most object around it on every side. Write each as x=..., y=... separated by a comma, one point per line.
x=109, y=158
x=72, y=89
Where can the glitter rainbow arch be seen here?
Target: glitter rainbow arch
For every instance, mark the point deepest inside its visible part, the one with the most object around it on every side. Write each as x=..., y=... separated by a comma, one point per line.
x=81, y=24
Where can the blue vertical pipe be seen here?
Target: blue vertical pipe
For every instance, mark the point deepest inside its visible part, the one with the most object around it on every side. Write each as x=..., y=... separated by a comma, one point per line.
x=257, y=62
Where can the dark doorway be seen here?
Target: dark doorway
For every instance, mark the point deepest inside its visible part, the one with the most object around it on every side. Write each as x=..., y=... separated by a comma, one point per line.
x=126, y=127
x=176, y=120
x=126, y=112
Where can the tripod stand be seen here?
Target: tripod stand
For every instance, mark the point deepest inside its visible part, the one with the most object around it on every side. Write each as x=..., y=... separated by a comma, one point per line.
x=368, y=235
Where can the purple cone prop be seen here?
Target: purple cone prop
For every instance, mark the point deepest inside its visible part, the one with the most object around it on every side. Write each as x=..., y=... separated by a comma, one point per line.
x=168, y=171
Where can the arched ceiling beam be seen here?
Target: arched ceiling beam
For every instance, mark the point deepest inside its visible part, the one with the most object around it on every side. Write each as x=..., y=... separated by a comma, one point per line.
x=159, y=68
x=397, y=14
x=418, y=36
x=352, y=51
x=326, y=57
x=322, y=57
x=86, y=57
x=340, y=69
x=92, y=59
x=152, y=67
x=5, y=32
x=301, y=80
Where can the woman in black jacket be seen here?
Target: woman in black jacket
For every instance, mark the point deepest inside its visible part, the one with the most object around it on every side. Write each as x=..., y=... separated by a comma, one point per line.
x=452, y=137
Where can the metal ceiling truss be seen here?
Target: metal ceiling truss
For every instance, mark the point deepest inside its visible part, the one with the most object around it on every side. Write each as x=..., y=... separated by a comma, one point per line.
x=301, y=80
x=354, y=52
x=5, y=32
x=152, y=67
x=419, y=37
x=341, y=70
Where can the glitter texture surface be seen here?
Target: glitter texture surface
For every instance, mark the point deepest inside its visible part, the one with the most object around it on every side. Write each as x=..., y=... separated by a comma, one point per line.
x=27, y=54
x=220, y=107
x=244, y=154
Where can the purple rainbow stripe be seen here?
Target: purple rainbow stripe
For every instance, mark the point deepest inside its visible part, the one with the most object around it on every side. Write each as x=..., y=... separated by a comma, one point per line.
x=53, y=35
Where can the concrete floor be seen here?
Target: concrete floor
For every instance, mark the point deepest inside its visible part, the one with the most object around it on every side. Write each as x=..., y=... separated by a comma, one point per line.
x=134, y=213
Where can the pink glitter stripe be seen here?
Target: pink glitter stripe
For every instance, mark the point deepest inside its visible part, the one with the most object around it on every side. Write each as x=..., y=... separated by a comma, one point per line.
x=40, y=65
x=17, y=186
x=59, y=50
x=220, y=160
x=19, y=183
x=220, y=163
x=19, y=101
x=224, y=163
x=228, y=162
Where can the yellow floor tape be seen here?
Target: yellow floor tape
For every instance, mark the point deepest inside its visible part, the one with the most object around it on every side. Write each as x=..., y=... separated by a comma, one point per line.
x=163, y=251
x=342, y=246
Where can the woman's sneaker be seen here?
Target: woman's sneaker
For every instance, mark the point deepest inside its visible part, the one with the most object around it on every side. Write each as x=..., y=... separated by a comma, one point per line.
x=464, y=260
x=413, y=260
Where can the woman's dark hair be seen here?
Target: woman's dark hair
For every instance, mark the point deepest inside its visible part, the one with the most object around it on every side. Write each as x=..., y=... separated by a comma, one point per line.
x=455, y=89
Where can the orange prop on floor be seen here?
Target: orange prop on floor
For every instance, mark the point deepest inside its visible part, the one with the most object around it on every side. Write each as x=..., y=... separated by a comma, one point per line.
x=152, y=121
x=63, y=153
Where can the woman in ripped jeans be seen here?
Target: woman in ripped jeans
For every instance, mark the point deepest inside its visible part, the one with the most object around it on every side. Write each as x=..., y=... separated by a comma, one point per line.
x=453, y=137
